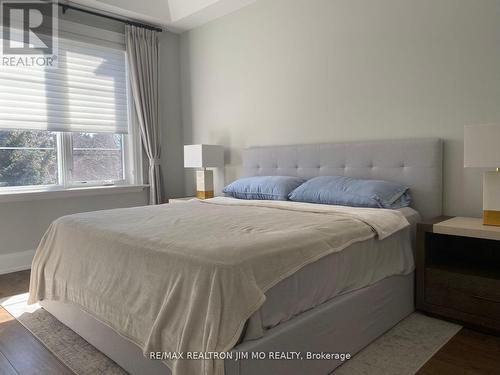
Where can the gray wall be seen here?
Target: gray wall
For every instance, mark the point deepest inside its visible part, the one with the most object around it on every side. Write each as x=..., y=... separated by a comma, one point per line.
x=22, y=224
x=304, y=71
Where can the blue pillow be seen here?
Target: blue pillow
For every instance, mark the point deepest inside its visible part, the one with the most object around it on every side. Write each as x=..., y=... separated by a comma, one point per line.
x=347, y=191
x=263, y=187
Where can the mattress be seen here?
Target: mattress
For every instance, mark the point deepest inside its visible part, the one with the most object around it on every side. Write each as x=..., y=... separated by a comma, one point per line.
x=358, y=266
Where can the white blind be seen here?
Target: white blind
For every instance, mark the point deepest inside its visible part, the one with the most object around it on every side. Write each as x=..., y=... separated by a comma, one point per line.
x=87, y=92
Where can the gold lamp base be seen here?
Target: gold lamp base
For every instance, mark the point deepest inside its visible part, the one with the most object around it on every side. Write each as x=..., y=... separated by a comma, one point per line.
x=204, y=194
x=491, y=218
x=491, y=198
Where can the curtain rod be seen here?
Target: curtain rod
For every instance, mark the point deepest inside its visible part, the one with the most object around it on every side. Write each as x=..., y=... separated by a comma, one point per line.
x=65, y=8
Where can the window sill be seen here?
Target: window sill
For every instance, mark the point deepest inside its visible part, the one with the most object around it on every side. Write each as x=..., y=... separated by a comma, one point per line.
x=31, y=195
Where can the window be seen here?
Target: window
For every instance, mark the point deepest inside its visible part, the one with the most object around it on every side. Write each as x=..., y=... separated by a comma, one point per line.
x=28, y=158
x=67, y=126
x=97, y=157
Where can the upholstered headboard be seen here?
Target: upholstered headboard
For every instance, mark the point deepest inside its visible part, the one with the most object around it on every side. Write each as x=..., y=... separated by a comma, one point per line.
x=417, y=163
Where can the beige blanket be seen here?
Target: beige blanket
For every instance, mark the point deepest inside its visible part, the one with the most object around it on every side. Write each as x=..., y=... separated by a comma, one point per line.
x=186, y=277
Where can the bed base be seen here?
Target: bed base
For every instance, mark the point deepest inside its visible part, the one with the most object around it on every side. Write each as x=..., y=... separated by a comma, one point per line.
x=344, y=324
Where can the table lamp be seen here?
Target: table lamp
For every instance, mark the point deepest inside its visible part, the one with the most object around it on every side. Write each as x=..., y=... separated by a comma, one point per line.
x=482, y=150
x=204, y=156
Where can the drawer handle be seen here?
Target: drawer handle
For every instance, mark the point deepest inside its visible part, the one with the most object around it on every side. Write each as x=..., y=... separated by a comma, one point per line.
x=485, y=299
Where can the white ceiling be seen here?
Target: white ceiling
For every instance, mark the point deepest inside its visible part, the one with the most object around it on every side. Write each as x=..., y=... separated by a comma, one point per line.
x=175, y=15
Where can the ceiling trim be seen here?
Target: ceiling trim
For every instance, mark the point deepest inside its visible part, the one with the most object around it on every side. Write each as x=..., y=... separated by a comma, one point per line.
x=161, y=15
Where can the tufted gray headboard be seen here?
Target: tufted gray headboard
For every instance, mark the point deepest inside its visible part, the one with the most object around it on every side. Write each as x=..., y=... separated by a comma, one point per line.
x=417, y=163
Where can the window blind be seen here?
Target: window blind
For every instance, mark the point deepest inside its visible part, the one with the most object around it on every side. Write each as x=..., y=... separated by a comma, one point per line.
x=87, y=92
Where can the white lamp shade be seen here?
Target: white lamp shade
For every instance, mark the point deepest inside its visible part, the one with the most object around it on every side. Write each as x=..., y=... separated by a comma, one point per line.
x=482, y=146
x=203, y=156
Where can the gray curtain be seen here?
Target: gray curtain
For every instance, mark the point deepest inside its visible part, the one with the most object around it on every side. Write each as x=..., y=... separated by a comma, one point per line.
x=143, y=62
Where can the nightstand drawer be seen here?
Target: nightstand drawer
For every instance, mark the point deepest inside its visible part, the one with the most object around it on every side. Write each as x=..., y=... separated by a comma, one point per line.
x=463, y=292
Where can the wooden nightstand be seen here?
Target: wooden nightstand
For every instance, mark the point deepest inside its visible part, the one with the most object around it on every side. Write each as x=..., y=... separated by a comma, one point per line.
x=458, y=271
x=180, y=200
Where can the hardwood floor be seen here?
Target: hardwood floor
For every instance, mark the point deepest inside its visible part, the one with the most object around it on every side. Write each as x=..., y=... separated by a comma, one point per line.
x=14, y=283
x=467, y=353
x=20, y=352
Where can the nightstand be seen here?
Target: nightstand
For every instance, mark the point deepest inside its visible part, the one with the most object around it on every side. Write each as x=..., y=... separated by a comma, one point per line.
x=180, y=200
x=458, y=271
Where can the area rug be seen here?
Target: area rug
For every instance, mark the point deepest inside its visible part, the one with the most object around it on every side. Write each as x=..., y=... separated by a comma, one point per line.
x=400, y=351
x=76, y=353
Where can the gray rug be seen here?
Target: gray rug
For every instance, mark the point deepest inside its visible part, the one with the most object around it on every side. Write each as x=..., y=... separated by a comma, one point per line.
x=404, y=349
x=75, y=352
x=401, y=351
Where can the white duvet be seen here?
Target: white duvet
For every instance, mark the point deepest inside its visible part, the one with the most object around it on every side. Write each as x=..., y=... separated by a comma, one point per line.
x=186, y=277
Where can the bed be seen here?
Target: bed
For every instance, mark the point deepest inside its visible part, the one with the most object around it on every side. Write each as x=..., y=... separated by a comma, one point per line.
x=299, y=312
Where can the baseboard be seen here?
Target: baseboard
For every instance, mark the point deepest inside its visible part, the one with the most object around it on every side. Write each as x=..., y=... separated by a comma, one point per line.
x=14, y=262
